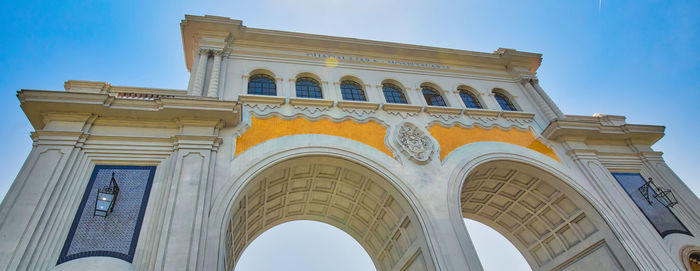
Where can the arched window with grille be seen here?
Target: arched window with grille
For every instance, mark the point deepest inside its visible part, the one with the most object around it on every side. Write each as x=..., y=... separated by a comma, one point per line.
x=352, y=91
x=470, y=101
x=504, y=102
x=262, y=84
x=433, y=97
x=393, y=94
x=308, y=87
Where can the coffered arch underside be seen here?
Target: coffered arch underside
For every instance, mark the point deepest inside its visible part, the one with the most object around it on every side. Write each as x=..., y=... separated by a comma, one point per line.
x=551, y=225
x=337, y=192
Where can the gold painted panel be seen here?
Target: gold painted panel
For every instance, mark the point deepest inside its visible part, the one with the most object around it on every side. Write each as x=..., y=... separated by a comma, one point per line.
x=261, y=130
x=454, y=137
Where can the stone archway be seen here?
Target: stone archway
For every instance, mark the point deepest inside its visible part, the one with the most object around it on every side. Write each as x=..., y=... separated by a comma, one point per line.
x=335, y=191
x=552, y=225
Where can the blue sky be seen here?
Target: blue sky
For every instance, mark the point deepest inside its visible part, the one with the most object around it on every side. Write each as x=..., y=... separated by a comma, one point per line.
x=634, y=58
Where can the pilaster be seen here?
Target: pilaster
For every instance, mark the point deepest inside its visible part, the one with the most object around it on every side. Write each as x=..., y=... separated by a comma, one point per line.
x=372, y=94
x=453, y=99
x=195, y=156
x=244, y=85
x=29, y=207
x=200, y=73
x=637, y=235
x=215, y=70
x=327, y=92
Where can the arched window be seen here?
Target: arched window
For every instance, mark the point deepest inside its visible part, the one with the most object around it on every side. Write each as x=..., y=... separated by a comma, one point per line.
x=504, y=102
x=262, y=84
x=308, y=88
x=433, y=97
x=352, y=91
x=393, y=94
x=470, y=101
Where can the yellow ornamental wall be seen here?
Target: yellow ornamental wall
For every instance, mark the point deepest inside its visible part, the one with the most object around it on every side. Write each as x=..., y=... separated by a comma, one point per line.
x=261, y=130
x=455, y=137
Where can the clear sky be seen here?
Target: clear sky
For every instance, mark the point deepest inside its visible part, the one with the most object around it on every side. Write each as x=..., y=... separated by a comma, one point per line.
x=634, y=58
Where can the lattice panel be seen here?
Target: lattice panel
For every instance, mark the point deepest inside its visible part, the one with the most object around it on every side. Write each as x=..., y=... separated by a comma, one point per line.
x=543, y=219
x=354, y=202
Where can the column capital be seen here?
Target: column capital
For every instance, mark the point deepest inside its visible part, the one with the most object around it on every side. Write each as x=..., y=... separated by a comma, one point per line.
x=204, y=51
x=526, y=79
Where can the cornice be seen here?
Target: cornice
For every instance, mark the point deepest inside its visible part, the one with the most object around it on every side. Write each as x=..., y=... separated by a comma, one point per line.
x=247, y=98
x=36, y=104
x=590, y=128
x=193, y=28
x=104, y=87
x=517, y=114
x=402, y=107
x=311, y=102
x=443, y=110
x=358, y=105
x=482, y=112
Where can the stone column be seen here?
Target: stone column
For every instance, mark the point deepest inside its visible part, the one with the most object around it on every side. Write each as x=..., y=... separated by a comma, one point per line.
x=244, y=84
x=214, y=79
x=291, y=88
x=326, y=92
x=419, y=98
x=280, y=87
x=379, y=94
x=200, y=72
x=414, y=97
x=335, y=92
x=195, y=155
x=32, y=219
x=452, y=98
x=490, y=101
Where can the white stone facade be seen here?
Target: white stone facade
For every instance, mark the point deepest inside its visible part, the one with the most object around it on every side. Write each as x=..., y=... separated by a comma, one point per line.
x=399, y=178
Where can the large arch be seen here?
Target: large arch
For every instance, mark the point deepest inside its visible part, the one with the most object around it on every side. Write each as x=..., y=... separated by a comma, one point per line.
x=408, y=246
x=335, y=191
x=532, y=201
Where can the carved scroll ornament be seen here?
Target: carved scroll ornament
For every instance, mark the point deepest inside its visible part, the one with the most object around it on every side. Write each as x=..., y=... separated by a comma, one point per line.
x=414, y=142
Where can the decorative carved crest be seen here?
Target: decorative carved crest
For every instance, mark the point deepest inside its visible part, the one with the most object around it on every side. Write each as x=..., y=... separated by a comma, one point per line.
x=414, y=142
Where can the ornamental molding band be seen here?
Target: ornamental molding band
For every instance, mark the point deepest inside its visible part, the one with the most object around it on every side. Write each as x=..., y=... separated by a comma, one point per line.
x=204, y=170
x=414, y=143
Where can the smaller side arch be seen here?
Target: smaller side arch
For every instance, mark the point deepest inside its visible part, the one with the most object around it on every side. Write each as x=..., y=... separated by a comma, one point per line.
x=551, y=236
